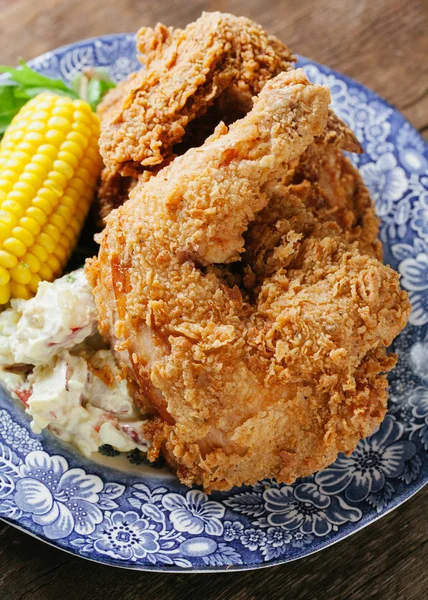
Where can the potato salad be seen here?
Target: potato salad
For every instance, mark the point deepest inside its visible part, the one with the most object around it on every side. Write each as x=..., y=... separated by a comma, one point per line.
x=53, y=361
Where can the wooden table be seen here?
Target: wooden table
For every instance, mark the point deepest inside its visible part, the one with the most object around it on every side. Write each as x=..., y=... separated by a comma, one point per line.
x=383, y=44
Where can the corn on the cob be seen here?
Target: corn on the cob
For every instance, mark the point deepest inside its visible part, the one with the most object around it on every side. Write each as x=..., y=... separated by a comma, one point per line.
x=49, y=165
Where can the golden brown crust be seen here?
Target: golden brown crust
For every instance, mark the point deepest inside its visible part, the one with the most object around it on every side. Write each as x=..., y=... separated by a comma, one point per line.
x=273, y=382
x=186, y=70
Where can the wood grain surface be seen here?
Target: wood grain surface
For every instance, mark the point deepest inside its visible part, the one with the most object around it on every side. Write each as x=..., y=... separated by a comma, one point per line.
x=383, y=44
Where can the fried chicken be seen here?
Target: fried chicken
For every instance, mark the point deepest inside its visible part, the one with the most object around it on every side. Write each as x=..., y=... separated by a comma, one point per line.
x=272, y=379
x=219, y=59
x=322, y=186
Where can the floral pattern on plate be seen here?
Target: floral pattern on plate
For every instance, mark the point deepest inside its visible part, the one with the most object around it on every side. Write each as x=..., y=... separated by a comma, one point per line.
x=152, y=521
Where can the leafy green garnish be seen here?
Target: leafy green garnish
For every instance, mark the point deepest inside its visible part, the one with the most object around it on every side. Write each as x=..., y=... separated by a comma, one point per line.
x=91, y=85
x=10, y=103
x=26, y=78
x=24, y=83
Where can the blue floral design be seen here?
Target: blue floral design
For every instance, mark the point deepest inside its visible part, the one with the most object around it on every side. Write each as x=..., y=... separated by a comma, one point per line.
x=194, y=513
x=411, y=150
x=381, y=456
x=386, y=181
x=126, y=536
x=299, y=539
x=253, y=539
x=278, y=537
x=59, y=499
x=232, y=530
x=415, y=279
x=419, y=403
x=305, y=508
x=15, y=435
x=419, y=217
x=418, y=358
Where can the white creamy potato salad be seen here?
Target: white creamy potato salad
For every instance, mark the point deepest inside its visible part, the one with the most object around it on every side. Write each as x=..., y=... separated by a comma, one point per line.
x=53, y=361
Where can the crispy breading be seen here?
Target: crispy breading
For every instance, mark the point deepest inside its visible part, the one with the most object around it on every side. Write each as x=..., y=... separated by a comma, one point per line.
x=219, y=55
x=276, y=383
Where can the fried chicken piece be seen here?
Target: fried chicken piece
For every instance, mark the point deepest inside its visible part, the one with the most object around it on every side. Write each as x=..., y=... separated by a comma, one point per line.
x=241, y=391
x=219, y=56
x=322, y=186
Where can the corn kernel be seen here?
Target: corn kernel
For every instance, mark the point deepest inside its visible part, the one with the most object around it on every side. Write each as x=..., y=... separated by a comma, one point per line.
x=88, y=165
x=34, y=283
x=78, y=184
x=72, y=148
x=39, y=167
x=65, y=169
x=8, y=218
x=24, y=188
x=48, y=150
x=54, y=263
x=52, y=231
x=14, y=246
x=45, y=103
x=23, y=236
x=7, y=260
x=6, y=185
x=82, y=105
x=4, y=231
x=44, y=205
x=25, y=146
x=82, y=129
x=61, y=252
x=39, y=252
x=69, y=234
x=35, y=137
x=65, y=212
x=16, y=163
x=45, y=272
x=65, y=111
x=30, y=225
x=32, y=180
x=70, y=159
x=58, y=221
x=7, y=175
x=16, y=136
x=59, y=122
x=50, y=195
x=77, y=138
x=5, y=293
x=63, y=101
x=55, y=137
x=51, y=184
x=32, y=261
x=83, y=117
x=19, y=291
x=72, y=194
x=37, y=126
x=21, y=273
x=20, y=197
x=58, y=179
x=46, y=241
x=4, y=276
x=38, y=215
x=40, y=115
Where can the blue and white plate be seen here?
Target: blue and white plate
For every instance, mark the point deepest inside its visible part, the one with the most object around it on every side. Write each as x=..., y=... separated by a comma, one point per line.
x=143, y=518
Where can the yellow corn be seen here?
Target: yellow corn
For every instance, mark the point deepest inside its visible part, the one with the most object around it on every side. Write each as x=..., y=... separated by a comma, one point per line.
x=49, y=165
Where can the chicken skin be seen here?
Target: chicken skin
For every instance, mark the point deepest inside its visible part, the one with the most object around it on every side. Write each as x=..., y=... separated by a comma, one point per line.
x=219, y=57
x=275, y=376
